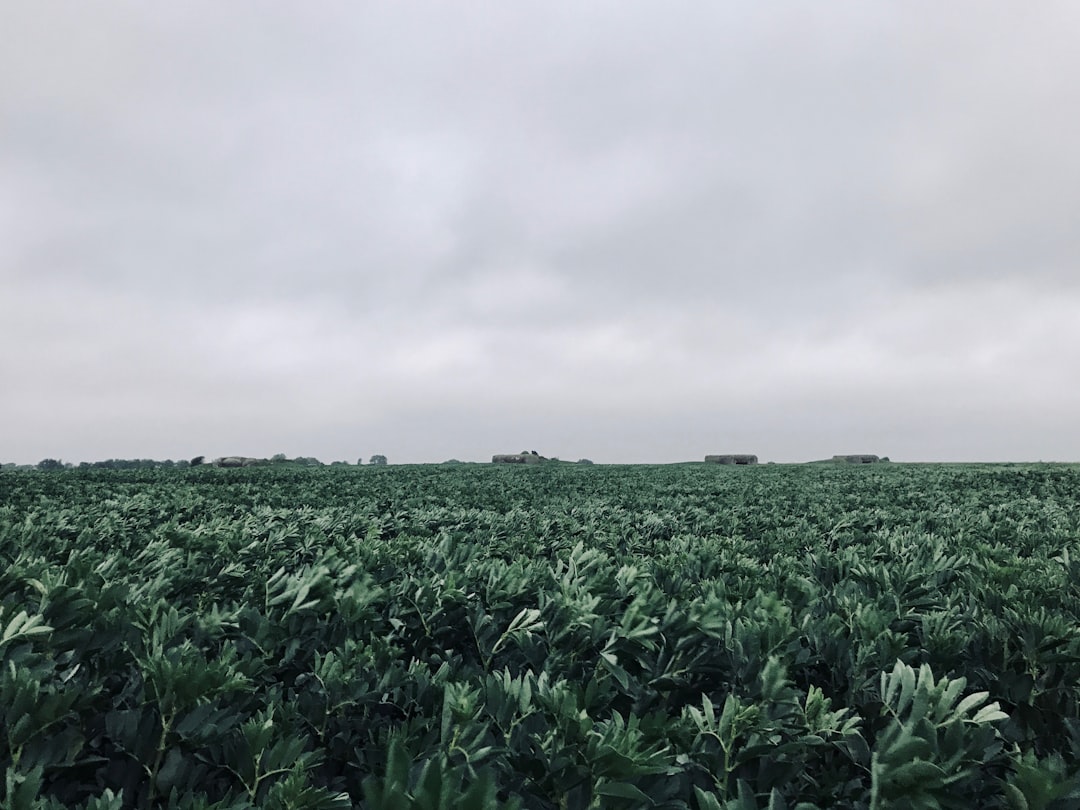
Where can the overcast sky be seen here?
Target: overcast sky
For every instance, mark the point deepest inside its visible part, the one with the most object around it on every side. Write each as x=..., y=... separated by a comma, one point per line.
x=633, y=232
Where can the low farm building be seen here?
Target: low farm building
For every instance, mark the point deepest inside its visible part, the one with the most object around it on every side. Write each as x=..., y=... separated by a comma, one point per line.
x=517, y=458
x=864, y=458
x=731, y=459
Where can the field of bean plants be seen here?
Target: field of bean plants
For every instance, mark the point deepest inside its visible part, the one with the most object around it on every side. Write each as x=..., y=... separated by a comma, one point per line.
x=541, y=637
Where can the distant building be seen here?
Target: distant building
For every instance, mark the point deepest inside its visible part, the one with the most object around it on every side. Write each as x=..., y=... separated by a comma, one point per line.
x=732, y=459
x=518, y=458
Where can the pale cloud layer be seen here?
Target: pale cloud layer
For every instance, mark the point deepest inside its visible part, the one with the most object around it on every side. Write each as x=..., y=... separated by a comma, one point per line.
x=624, y=233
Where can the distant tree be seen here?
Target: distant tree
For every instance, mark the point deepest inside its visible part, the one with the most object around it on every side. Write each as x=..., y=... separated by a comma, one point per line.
x=379, y=460
x=50, y=464
x=359, y=462
x=584, y=461
x=279, y=458
x=195, y=462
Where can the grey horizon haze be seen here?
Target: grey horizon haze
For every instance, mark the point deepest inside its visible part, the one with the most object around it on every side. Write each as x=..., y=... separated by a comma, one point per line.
x=626, y=232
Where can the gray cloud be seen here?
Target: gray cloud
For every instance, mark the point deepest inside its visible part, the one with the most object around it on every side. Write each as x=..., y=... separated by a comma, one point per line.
x=604, y=231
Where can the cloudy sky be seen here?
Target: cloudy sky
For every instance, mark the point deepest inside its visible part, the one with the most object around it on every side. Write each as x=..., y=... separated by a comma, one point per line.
x=633, y=232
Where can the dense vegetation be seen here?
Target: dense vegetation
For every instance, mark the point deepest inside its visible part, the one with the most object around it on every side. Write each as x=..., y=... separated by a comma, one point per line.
x=541, y=637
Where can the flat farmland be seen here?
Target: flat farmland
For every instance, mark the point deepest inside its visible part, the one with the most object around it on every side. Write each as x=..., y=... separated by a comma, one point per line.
x=545, y=636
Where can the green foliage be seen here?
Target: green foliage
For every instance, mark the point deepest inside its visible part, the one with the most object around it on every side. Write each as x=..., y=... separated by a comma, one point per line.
x=937, y=748
x=554, y=636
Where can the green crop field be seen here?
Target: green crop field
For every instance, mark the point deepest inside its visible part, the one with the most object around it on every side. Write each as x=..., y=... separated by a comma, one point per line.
x=551, y=636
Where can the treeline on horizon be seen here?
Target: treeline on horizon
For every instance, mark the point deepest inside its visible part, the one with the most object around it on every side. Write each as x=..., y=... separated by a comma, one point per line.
x=50, y=464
